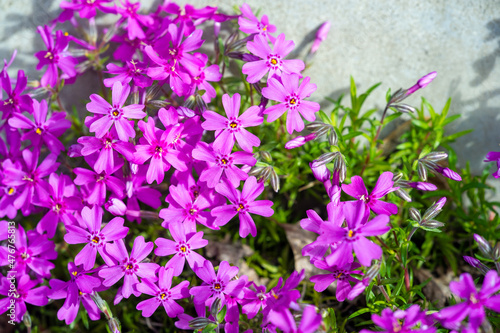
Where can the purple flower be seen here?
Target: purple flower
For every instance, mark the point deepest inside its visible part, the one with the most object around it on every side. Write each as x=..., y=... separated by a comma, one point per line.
x=475, y=301
x=97, y=183
x=57, y=55
x=90, y=233
x=242, y=203
x=383, y=186
x=157, y=148
x=187, y=210
x=299, y=141
x=163, y=293
x=62, y=203
x=250, y=24
x=220, y=162
x=183, y=246
x=254, y=300
x=31, y=253
x=422, y=83
x=133, y=70
x=129, y=267
x=403, y=321
x=291, y=97
x=216, y=286
x=494, y=156
x=74, y=291
x=28, y=181
x=310, y=322
x=15, y=102
x=202, y=76
x=321, y=35
x=107, y=148
x=232, y=128
x=42, y=128
x=115, y=114
x=134, y=20
x=23, y=293
x=87, y=8
x=272, y=60
x=340, y=274
x=353, y=237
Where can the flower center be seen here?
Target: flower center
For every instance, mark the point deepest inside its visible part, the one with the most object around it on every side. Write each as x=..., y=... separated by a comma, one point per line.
x=233, y=125
x=223, y=161
x=95, y=239
x=274, y=61
x=49, y=55
x=159, y=149
x=240, y=207
x=130, y=266
x=192, y=211
x=108, y=143
x=75, y=273
x=217, y=286
x=11, y=191
x=57, y=208
x=9, y=101
x=183, y=249
x=163, y=295
x=115, y=113
x=293, y=101
x=351, y=234
x=25, y=255
x=38, y=131
x=473, y=299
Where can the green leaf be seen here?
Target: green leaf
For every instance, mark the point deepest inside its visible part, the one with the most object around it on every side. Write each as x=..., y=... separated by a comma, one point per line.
x=358, y=313
x=474, y=185
x=351, y=135
x=450, y=119
x=453, y=137
x=324, y=117
x=209, y=328
x=420, y=123
x=221, y=314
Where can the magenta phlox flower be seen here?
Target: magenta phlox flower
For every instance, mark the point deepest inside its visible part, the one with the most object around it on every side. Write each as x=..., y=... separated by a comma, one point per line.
x=321, y=35
x=409, y=320
x=107, y=148
x=16, y=101
x=272, y=61
x=135, y=191
x=177, y=78
x=291, y=96
x=95, y=184
x=242, y=203
x=184, y=209
x=56, y=56
x=28, y=181
x=126, y=48
x=42, y=127
x=475, y=301
x=32, y=253
x=232, y=128
x=353, y=237
x=90, y=233
x=155, y=147
x=494, y=156
x=384, y=185
x=222, y=162
x=115, y=114
x=250, y=24
x=343, y=275
x=64, y=200
x=201, y=78
x=134, y=20
x=317, y=249
x=130, y=267
x=254, y=300
x=10, y=145
x=182, y=247
x=189, y=16
x=163, y=293
x=173, y=47
x=310, y=322
x=284, y=298
x=74, y=291
x=87, y=8
x=132, y=71
x=216, y=286
x=198, y=188
x=22, y=294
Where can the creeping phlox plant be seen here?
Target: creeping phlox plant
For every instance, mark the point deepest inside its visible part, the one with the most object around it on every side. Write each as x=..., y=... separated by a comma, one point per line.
x=189, y=152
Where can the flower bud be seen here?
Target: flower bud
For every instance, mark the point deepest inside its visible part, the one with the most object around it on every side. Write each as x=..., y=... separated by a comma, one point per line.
x=496, y=252
x=274, y=180
x=403, y=195
x=434, y=210
x=321, y=173
x=415, y=215
x=115, y=206
x=321, y=35
x=27, y=320
x=422, y=171
x=325, y=159
x=477, y=264
x=483, y=246
x=315, y=125
x=340, y=166
x=114, y=325
x=266, y=156
x=199, y=323
x=404, y=108
x=432, y=224
x=215, y=308
x=436, y=156
x=299, y=141
x=256, y=171
x=422, y=83
x=333, y=138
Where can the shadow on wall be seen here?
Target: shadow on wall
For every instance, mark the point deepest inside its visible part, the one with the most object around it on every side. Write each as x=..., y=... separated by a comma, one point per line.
x=482, y=111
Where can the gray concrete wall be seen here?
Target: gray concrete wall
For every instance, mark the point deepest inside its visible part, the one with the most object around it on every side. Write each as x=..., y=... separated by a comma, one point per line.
x=395, y=42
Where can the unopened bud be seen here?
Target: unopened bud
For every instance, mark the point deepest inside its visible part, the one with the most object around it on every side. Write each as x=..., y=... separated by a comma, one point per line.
x=116, y=207
x=256, y=171
x=483, y=246
x=266, y=156
x=496, y=252
x=325, y=159
x=275, y=181
x=158, y=103
x=477, y=264
x=436, y=156
x=315, y=125
x=404, y=108
x=333, y=138
x=199, y=323
x=114, y=325
x=422, y=83
x=373, y=271
x=432, y=224
x=422, y=171
x=434, y=210
x=27, y=319
x=341, y=167
x=415, y=215
x=321, y=173
x=397, y=177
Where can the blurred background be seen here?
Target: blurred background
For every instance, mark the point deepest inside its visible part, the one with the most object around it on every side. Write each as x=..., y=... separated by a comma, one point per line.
x=393, y=42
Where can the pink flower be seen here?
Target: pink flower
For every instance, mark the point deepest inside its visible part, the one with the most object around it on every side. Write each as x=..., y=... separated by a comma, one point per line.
x=233, y=127
x=163, y=293
x=115, y=114
x=242, y=203
x=250, y=24
x=272, y=60
x=321, y=35
x=291, y=97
